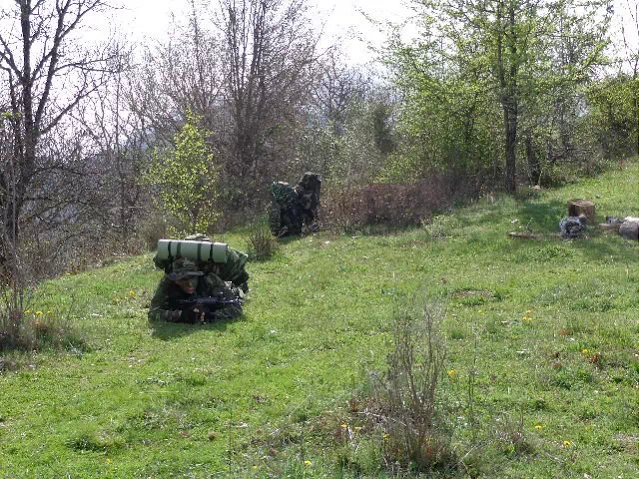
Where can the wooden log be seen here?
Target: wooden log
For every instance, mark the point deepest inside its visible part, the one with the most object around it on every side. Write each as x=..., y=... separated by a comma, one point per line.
x=609, y=227
x=579, y=207
x=522, y=235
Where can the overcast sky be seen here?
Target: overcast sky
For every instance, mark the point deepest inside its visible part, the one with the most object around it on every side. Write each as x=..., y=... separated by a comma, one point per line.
x=342, y=19
x=339, y=19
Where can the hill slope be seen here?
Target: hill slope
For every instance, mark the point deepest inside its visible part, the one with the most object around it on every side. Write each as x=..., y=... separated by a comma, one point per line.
x=260, y=396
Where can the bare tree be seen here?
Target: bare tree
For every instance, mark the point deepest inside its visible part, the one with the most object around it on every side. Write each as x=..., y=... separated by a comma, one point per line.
x=631, y=35
x=119, y=152
x=338, y=88
x=47, y=73
x=270, y=54
x=185, y=73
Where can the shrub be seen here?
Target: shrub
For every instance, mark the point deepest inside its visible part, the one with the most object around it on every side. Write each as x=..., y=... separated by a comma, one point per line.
x=613, y=114
x=409, y=405
x=22, y=328
x=351, y=207
x=185, y=178
x=261, y=244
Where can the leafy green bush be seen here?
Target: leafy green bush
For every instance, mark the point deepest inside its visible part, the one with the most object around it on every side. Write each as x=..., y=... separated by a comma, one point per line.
x=186, y=179
x=613, y=114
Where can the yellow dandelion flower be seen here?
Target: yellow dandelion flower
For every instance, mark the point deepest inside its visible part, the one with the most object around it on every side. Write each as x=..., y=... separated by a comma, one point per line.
x=38, y=313
x=566, y=443
x=27, y=311
x=585, y=351
x=132, y=293
x=255, y=468
x=451, y=373
x=538, y=426
x=343, y=426
x=307, y=462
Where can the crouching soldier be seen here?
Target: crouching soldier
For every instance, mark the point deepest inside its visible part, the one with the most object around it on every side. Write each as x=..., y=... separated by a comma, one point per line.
x=187, y=295
x=293, y=208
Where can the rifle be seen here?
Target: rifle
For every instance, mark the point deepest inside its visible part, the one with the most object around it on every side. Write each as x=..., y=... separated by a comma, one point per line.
x=209, y=302
x=207, y=305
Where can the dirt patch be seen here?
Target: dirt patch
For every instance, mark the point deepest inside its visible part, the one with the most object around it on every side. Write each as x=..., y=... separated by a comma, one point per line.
x=629, y=442
x=469, y=293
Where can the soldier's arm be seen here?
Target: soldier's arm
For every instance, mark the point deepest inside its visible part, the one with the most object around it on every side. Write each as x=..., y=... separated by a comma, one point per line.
x=157, y=309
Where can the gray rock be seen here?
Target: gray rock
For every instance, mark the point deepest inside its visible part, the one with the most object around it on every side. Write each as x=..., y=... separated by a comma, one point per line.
x=629, y=229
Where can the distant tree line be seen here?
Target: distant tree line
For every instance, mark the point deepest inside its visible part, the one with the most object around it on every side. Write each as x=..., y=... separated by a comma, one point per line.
x=108, y=147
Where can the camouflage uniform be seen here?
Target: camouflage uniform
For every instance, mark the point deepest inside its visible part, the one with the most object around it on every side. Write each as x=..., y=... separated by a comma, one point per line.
x=286, y=216
x=308, y=190
x=165, y=305
x=571, y=227
x=232, y=271
x=293, y=207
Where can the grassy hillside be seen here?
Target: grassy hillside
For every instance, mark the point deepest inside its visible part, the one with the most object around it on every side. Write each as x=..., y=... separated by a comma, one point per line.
x=551, y=325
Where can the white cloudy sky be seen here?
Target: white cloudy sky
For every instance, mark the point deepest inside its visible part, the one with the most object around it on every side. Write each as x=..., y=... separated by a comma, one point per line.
x=342, y=19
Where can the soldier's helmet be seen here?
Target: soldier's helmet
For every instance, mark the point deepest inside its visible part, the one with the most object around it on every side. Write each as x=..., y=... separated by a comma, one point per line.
x=183, y=268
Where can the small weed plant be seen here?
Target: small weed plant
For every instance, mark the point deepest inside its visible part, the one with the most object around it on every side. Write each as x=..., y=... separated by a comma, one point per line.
x=411, y=413
x=22, y=327
x=13, y=296
x=511, y=435
x=261, y=245
x=34, y=330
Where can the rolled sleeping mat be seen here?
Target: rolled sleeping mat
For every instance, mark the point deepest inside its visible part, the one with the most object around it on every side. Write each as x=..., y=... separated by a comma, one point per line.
x=194, y=250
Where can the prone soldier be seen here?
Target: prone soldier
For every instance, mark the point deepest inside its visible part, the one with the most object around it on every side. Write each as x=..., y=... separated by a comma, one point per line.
x=177, y=297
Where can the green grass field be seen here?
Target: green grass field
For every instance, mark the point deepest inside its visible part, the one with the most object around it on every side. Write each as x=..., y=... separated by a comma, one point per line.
x=551, y=325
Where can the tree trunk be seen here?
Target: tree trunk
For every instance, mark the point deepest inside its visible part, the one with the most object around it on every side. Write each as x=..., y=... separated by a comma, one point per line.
x=511, y=117
x=532, y=160
x=510, y=130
